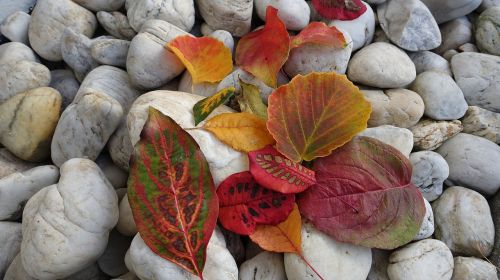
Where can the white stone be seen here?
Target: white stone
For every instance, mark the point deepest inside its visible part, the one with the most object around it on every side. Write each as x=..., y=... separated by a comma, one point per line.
x=20, y=76
x=15, y=27
x=430, y=170
x=425, y=259
x=486, y=31
x=204, y=88
x=427, y=226
x=16, y=270
x=119, y=146
x=463, y=222
x=332, y=259
x=177, y=12
x=65, y=82
x=473, y=268
x=266, y=265
x=126, y=224
x=10, y=244
x=455, y=33
x=66, y=226
x=225, y=37
x=15, y=51
x=481, y=122
x=234, y=16
x=8, y=7
x=101, y=5
x=429, y=134
x=429, y=61
x=48, y=21
x=110, y=52
x=399, y=138
x=468, y=47
x=293, y=13
x=116, y=24
x=381, y=65
x=445, y=10
x=75, y=51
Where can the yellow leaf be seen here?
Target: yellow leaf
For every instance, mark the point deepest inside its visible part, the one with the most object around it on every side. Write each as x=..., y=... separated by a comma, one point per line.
x=242, y=131
x=250, y=100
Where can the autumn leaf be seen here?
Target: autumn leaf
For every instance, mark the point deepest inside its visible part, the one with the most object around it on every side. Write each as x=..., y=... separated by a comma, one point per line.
x=321, y=34
x=207, y=59
x=250, y=100
x=244, y=204
x=172, y=194
x=339, y=9
x=242, y=131
x=204, y=107
x=364, y=196
x=315, y=114
x=274, y=171
x=263, y=52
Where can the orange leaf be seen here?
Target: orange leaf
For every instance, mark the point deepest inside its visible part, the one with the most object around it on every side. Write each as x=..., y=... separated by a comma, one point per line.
x=319, y=33
x=206, y=58
x=315, y=114
x=282, y=238
x=242, y=131
x=263, y=52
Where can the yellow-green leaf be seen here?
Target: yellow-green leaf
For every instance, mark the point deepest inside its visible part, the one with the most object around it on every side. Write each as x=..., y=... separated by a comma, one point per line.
x=250, y=100
x=204, y=107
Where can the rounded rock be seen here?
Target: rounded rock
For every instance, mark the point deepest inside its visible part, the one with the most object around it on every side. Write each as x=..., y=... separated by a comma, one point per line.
x=429, y=134
x=10, y=244
x=126, y=224
x=427, y=226
x=234, y=16
x=293, y=13
x=177, y=12
x=75, y=51
x=454, y=34
x=483, y=123
x=445, y=10
x=429, y=61
x=266, y=265
x=473, y=268
x=15, y=27
x=488, y=32
x=15, y=51
x=116, y=24
x=21, y=76
x=399, y=138
x=110, y=52
x=65, y=82
x=430, y=170
x=101, y=5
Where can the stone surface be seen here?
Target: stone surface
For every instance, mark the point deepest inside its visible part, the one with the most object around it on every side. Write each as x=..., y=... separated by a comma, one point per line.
x=473, y=268
x=468, y=47
x=101, y=5
x=66, y=226
x=75, y=50
x=112, y=261
x=454, y=34
x=294, y=13
x=429, y=61
x=16, y=270
x=381, y=65
x=442, y=97
x=478, y=75
x=177, y=12
x=225, y=37
x=399, y=138
x=485, y=4
x=17, y=188
x=473, y=163
x=116, y=24
x=427, y=226
x=397, y=107
x=448, y=55
x=15, y=51
x=234, y=16
x=120, y=147
x=332, y=259
x=15, y=27
x=203, y=88
x=110, y=52
x=27, y=123
x=429, y=134
x=445, y=10
x=7, y=8
x=10, y=164
x=495, y=212
x=463, y=222
x=430, y=170
x=487, y=31
x=380, y=261
x=48, y=21
x=20, y=76
x=116, y=176
x=409, y=24
x=481, y=122
x=65, y=82
x=266, y=265
x=425, y=259
x=10, y=244
x=126, y=224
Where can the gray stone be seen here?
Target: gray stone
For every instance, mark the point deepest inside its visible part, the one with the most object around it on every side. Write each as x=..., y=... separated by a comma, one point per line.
x=20, y=76
x=430, y=170
x=488, y=31
x=15, y=27
x=445, y=10
x=448, y=55
x=380, y=261
x=101, y=5
x=116, y=24
x=116, y=176
x=266, y=265
x=65, y=82
x=427, y=226
x=399, y=138
x=10, y=164
x=234, y=16
x=409, y=24
x=177, y=12
x=8, y=7
x=473, y=268
x=294, y=13
x=110, y=52
x=120, y=147
x=75, y=50
x=473, y=162
x=429, y=134
x=495, y=212
x=455, y=33
x=463, y=222
x=112, y=261
x=360, y=29
x=442, y=97
x=10, y=244
x=429, y=61
x=481, y=122
x=15, y=51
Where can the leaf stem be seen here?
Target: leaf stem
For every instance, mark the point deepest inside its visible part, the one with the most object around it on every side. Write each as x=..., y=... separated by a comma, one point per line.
x=309, y=265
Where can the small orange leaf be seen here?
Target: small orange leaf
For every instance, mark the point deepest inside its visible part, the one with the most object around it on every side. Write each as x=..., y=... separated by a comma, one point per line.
x=206, y=58
x=282, y=238
x=319, y=33
x=242, y=131
x=263, y=52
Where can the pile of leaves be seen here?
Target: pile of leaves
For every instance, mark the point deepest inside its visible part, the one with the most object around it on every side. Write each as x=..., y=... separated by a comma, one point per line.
x=305, y=161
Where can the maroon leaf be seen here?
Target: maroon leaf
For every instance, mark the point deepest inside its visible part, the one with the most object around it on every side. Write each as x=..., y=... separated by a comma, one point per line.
x=274, y=171
x=244, y=204
x=363, y=196
x=339, y=9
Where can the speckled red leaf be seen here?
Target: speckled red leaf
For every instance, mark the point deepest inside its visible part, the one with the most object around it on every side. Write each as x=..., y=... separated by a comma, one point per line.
x=244, y=204
x=274, y=171
x=172, y=194
x=364, y=196
x=339, y=9
x=263, y=52
x=319, y=33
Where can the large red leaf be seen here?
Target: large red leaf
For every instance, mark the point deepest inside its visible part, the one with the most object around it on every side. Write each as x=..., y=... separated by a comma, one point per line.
x=274, y=171
x=244, y=204
x=339, y=9
x=263, y=52
x=172, y=194
x=364, y=196
x=320, y=34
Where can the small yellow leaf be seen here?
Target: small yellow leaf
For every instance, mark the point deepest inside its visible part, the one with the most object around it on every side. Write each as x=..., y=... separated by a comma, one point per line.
x=250, y=100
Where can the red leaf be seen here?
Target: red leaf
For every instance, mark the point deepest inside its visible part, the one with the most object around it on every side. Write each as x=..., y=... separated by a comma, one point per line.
x=274, y=171
x=364, y=196
x=172, y=194
x=339, y=9
x=263, y=52
x=244, y=204
x=321, y=34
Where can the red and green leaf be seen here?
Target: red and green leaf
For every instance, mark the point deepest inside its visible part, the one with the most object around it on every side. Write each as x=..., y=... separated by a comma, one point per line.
x=263, y=52
x=172, y=194
x=364, y=196
x=204, y=107
x=339, y=9
x=320, y=34
x=244, y=204
x=274, y=171
x=315, y=114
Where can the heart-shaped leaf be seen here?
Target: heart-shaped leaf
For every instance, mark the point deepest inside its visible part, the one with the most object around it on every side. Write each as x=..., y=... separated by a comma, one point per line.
x=204, y=107
x=315, y=114
x=364, y=196
x=207, y=59
x=263, y=52
x=320, y=34
x=244, y=204
x=250, y=101
x=274, y=171
x=172, y=194
x=339, y=9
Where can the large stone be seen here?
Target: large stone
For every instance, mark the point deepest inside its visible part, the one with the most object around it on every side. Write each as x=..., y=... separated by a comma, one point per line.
x=445, y=10
x=75, y=50
x=430, y=170
x=101, y=5
x=266, y=265
x=455, y=33
x=429, y=61
x=234, y=16
x=481, y=122
x=110, y=52
x=463, y=222
x=473, y=163
x=381, y=65
x=10, y=244
x=65, y=82
x=15, y=27
x=15, y=51
x=294, y=13
x=20, y=76
x=399, y=138
x=116, y=24
x=429, y=134
x=177, y=12
x=473, y=268
x=487, y=31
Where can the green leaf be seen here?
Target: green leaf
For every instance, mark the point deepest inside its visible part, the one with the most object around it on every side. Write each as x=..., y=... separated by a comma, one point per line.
x=250, y=100
x=204, y=107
